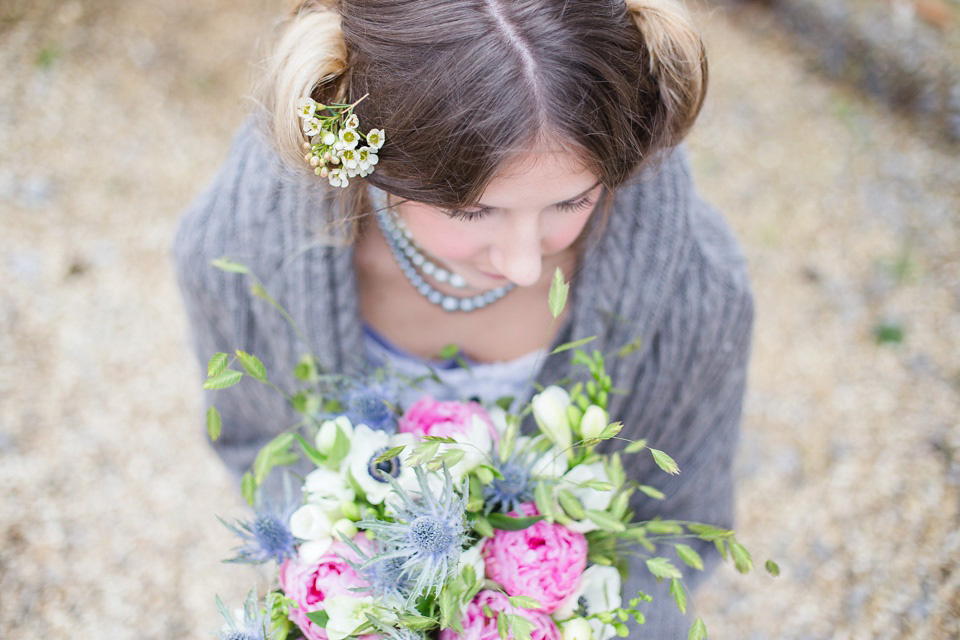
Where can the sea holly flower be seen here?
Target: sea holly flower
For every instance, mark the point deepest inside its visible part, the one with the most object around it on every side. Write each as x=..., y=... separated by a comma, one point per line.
x=543, y=561
x=550, y=412
x=311, y=127
x=480, y=620
x=427, y=535
x=598, y=591
x=306, y=108
x=353, y=122
x=248, y=624
x=375, y=138
x=387, y=581
x=267, y=536
x=514, y=487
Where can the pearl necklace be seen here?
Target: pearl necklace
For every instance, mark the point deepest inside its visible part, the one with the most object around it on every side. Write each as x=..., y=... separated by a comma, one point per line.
x=409, y=258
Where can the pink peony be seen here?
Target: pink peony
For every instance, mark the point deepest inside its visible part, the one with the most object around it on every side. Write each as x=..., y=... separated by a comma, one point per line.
x=543, y=561
x=477, y=626
x=310, y=584
x=448, y=419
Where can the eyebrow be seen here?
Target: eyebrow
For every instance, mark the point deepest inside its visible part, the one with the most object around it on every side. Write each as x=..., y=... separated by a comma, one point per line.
x=485, y=207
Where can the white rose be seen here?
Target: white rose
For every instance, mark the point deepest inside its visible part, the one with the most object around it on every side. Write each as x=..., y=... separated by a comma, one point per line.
x=327, y=489
x=600, y=590
x=550, y=412
x=309, y=522
x=346, y=614
x=590, y=498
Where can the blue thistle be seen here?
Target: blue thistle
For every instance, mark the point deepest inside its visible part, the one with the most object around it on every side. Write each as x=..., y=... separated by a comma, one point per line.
x=267, y=536
x=506, y=494
x=427, y=537
x=254, y=625
x=372, y=405
x=385, y=576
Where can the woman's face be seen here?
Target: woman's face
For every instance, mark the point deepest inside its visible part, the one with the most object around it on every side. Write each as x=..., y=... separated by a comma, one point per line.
x=531, y=212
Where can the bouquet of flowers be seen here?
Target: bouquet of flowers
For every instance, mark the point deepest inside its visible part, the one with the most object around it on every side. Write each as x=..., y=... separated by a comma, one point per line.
x=443, y=519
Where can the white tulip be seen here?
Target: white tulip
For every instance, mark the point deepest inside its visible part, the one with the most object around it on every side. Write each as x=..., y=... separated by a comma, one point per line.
x=593, y=423
x=327, y=435
x=550, y=412
x=577, y=629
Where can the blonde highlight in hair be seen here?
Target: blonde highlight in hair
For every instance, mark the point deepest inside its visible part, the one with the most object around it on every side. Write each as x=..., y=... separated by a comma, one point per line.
x=676, y=58
x=309, y=59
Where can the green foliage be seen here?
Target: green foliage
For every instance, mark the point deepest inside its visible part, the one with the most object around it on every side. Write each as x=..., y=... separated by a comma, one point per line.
x=566, y=346
x=665, y=462
x=679, y=595
x=888, y=332
x=772, y=568
x=319, y=618
x=218, y=362
x=509, y=523
x=225, y=264
x=223, y=380
x=252, y=365
x=662, y=568
x=543, y=496
x=605, y=521
x=557, y=298
x=571, y=505
x=636, y=447
x=524, y=602
x=248, y=487
x=214, y=423
x=698, y=630
x=741, y=557
x=653, y=492
x=689, y=557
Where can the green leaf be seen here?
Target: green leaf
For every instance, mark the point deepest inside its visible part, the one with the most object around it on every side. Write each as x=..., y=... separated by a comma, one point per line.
x=423, y=453
x=636, y=447
x=741, y=557
x=543, y=496
x=571, y=505
x=449, y=606
x=630, y=347
x=772, y=568
x=709, y=532
x=522, y=627
x=502, y=630
x=611, y=430
x=449, y=351
x=597, y=485
x=218, y=362
x=252, y=365
x=440, y=439
x=509, y=523
x=721, y=546
x=223, y=380
x=664, y=528
x=557, y=298
x=663, y=568
x=248, y=487
x=605, y=521
x=524, y=602
x=389, y=454
x=698, y=630
x=306, y=369
x=319, y=618
x=653, y=492
x=888, y=332
x=679, y=595
x=566, y=346
x=214, y=424
x=341, y=446
x=312, y=453
x=615, y=472
x=665, y=462
x=690, y=557
x=416, y=622
x=482, y=526
x=229, y=265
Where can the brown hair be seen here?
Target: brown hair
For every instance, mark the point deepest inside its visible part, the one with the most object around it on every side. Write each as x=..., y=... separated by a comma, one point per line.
x=460, y=86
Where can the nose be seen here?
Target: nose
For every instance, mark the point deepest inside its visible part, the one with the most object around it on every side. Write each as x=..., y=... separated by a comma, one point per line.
x=518, y=253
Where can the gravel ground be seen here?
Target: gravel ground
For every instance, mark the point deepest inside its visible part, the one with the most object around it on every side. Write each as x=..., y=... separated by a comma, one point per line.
x=113, y=114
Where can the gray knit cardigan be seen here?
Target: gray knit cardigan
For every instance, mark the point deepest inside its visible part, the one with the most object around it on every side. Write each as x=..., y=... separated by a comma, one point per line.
x=665, y=269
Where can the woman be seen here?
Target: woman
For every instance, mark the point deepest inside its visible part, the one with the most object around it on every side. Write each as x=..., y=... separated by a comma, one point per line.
x=521, y=136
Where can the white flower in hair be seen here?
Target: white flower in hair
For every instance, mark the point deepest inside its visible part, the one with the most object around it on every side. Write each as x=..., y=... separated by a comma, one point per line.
x=349, y=138
x=338, y=177
x=349, y=158
x=329, y=138
x=375, y=138
x=306, y=108
x=353, y=122
x=311, y=127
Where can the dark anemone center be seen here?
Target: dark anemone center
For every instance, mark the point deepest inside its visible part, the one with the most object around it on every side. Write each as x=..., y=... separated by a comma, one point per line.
x=380, y=470
x=431, y=534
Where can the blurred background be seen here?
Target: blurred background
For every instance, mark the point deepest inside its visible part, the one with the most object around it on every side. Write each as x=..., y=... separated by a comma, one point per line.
x=829, y=139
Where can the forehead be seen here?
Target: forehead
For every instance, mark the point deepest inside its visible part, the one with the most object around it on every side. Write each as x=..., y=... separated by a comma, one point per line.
x=548, y=175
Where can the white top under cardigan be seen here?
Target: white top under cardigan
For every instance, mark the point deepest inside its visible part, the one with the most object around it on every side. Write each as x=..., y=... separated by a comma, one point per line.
x=665, y=270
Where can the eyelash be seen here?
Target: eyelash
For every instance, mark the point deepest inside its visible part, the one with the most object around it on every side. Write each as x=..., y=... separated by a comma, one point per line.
x=472, y=216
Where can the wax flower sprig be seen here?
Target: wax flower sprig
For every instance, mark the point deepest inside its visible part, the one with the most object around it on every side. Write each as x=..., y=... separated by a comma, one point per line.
x=334, y=148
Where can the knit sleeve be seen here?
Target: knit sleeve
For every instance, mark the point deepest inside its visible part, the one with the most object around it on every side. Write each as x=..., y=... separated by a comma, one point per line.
x=221, y=223
x=688, y=397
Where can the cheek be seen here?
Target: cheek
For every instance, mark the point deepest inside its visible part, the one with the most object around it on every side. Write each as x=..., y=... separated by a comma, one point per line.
x=445, y=239
x=566, y=230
